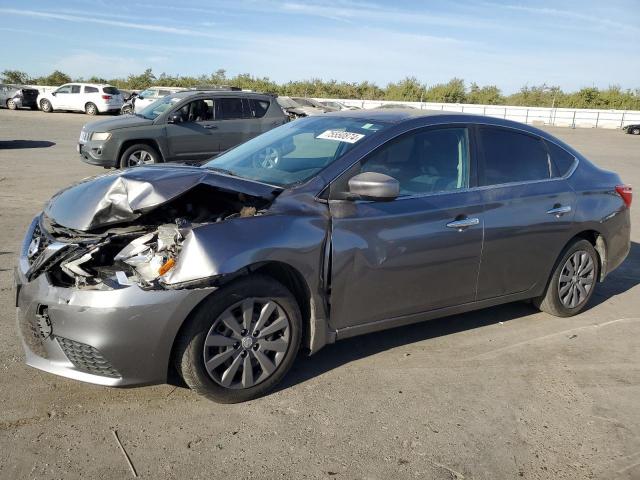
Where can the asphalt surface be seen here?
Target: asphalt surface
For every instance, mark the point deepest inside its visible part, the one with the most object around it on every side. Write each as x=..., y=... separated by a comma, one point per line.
x=503, y=393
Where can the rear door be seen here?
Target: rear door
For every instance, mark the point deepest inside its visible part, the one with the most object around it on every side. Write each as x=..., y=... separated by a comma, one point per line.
x=417, y=253
x=528, y=212
x=76, y=99
x=234, y=126
x=196, y=136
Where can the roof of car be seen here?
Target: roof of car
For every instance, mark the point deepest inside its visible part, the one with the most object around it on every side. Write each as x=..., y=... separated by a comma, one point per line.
x=393, y=115
x=232, y=93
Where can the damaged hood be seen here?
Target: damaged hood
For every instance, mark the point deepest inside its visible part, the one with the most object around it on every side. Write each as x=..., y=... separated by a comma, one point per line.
x=125, y=195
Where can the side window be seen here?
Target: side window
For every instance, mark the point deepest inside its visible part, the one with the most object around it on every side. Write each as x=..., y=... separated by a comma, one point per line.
x=64, y=89
x=258, y=107
x=561, y=159
x=75, y=88
x=510, y=156
x=230, y=108
x=197, y=111
x=427, y=161
x=163, y=93
x=90, y=90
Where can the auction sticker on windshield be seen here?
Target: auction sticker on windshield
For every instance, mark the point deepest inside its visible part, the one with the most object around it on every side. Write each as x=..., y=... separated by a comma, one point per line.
x=341, y=136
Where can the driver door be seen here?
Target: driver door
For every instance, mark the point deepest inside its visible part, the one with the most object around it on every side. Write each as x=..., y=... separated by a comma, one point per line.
x=62, y=98
x=393, y=259
x=196, y=136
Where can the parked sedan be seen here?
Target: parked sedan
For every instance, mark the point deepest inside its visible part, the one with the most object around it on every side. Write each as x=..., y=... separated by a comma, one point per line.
x=321, y=229
x=18, y=96
x=633, y=129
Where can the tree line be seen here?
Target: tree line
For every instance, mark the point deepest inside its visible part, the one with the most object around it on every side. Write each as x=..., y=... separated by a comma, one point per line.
x=409, y=89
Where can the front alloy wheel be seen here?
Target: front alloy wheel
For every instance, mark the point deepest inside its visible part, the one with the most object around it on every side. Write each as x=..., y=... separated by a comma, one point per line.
x=240, y=341
x=247, y=343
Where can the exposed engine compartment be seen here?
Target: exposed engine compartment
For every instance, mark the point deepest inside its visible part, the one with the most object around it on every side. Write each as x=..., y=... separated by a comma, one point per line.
x=139, y=252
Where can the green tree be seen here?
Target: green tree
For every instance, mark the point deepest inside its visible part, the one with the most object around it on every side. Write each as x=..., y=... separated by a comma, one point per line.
x=15, y=76
x=451, y=92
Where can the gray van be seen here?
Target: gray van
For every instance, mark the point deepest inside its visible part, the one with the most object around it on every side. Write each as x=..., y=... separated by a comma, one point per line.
x=189, y=125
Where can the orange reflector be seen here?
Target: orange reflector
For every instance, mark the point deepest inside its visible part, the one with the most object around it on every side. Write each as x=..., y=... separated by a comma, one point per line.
x=168, y=265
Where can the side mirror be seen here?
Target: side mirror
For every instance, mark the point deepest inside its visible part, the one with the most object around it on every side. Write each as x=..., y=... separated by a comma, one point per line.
x=53, y=93
x=140, y=97
x=174, y=118
x=374, y=186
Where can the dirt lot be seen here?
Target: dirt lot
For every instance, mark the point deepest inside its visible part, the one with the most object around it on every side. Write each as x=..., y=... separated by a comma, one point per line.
x=506, y=392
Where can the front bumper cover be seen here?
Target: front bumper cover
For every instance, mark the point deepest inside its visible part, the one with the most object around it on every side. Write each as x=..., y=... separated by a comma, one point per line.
x=120, y=337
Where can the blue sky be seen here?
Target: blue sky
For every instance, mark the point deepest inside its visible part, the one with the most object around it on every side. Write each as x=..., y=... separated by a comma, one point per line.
x=570, y=43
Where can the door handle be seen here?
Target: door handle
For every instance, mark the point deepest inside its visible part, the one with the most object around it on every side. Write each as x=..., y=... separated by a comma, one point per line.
x=463, y=223
x=559, y=211
x=210, y=127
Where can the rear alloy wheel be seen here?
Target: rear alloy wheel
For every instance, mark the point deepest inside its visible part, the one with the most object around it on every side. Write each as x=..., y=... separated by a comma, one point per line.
x=45, y=106
x=635, y=131
x=139, y=155
x=91, y=109
x=11, y=104
x=241, y=341
x=573, y=281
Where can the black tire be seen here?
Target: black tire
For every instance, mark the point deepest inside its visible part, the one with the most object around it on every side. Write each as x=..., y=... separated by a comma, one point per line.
x=551, y=301
x=91, y=109
x=126, y=110
x=188, y=354
x=11, y=105
x=45, y=106
x=635, y=131
x=142, y=151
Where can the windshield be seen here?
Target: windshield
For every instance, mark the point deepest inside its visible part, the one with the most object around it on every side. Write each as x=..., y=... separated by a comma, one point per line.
x=157, y=108
x=286, y=102
x=148, y=93
x=296, y=151
x=304, y=102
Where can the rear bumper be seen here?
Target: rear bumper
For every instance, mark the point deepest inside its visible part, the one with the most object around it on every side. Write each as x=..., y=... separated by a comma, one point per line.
x=117, y=337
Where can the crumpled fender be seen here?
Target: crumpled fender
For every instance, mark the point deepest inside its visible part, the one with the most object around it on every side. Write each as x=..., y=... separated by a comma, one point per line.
x=228, y=247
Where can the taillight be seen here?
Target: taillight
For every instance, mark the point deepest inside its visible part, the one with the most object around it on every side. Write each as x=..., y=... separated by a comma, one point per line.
x=106, y=97
x=626, y=192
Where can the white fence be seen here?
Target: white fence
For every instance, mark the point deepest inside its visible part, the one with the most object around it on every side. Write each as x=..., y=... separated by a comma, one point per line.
x=562, y=117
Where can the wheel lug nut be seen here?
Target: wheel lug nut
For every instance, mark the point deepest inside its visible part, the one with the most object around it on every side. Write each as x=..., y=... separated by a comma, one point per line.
x=256, y=346
x=243, y=354
x=243, y=332
x=236, y=345
x=256, y=333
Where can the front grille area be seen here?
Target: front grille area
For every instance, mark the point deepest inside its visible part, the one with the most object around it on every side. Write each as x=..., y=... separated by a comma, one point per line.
x=86, y=358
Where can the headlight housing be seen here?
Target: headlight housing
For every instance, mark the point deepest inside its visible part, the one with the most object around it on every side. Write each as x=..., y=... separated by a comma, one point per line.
x=100, y=136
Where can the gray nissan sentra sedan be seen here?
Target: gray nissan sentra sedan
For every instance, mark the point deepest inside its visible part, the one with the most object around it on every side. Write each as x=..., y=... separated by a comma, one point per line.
x=319, y=230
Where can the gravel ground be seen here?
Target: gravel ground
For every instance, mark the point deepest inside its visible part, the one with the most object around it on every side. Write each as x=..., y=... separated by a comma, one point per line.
x=505, y=392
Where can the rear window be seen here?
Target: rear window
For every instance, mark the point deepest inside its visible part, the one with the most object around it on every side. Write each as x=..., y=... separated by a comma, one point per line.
x=230, y=108
x=258, y=107
x=111, y=91
x=561, y=159
x=510, y=156
x=90, y=90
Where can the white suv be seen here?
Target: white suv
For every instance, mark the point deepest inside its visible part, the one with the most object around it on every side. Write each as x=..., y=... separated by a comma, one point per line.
x=150, y=95
x=91, y=98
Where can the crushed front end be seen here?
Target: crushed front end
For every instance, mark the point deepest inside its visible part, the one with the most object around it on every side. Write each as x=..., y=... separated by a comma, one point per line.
x=103, y=304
